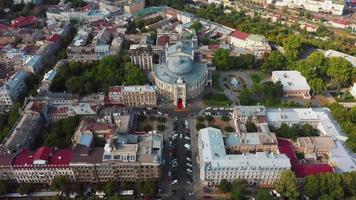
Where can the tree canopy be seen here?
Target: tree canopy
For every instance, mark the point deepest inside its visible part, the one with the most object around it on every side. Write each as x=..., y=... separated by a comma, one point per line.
x=274, y=61
x=86, y=78
x=287, y=185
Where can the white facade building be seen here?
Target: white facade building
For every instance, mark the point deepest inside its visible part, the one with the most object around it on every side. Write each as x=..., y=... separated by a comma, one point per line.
x=256, y=169
x=13, y=88
x=294, y=84
x=332, y=53
x=325, y=6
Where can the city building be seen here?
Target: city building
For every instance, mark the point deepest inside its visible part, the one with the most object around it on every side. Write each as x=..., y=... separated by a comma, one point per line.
x=256, y=44
x=134, y=6
x=134, y=96
x=81, y=15
x=12, y=88
x=42, y=165
x=313, y=147
x=294, y=84
x=324, y=6
x=141, y=55
x=181, y=77
x=320, y=118
x=83, y=48
x=261, y=168
x=136, y=159
x=243, y=141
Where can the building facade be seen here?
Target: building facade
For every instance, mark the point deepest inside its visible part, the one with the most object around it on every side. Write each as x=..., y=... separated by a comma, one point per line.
x=215, y=164
x=181, y=77
x=134, y=96
x=141, y=55
x=324, y=6
x=294, y=84
x=13, y=88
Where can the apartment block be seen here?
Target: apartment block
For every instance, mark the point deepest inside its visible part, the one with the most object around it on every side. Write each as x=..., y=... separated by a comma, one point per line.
x=135, y=95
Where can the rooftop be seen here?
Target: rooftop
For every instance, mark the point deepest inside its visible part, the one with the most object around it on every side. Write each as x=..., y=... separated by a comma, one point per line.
x=301, y=170
x=291, y=80
x=332, y=53
x=213, y=153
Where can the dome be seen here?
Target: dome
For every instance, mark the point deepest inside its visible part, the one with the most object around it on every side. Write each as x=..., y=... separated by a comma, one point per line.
x=180, y=64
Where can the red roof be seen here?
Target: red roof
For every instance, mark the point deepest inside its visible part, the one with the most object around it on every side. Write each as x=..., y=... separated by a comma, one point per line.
x=115, y=89
x=341, y=21
x=4, y=27
x=54, y=158
x=24, y=21
x=163, y=40
x=42, y=153
x=54, y=38
x=240, y=35
x=213, y=46
x=301, y=170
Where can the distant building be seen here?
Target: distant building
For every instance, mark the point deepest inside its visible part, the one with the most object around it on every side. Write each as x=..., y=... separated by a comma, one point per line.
x=13, y=88
x=314, y=147
x=215, y=164
x=141, y=55
x=294, y=84
x=243, y=141
x=133, y=96
x=120, y=160
x=181, y=76
x=324, y=6
x=133, y=6
x=42, y=165
x=257, y=44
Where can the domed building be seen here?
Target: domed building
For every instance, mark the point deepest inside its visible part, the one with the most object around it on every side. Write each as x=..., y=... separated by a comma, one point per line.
x=181, y=77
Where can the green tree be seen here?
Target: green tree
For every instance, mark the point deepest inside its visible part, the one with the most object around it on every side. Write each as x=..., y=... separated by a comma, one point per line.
x=24, y=189
x=200, y=119
x=274, y=61
x=161, y=127
x=134, y=76
x=263, y=194
x=340, y=70
x=229, y=129
x=238, y=190
x=197, y=26
x=147, y=128
x=200, y=126
x=60, y=183
x=317, y=85
x=293, y=47
x=287, y=185
x=251, y=127
x=209, y=118
x=225, y=118
x=110, y=188
x=148, y=188
x=3, y=187
x=224, y=186
x=311, y=187
x=221, y=59
x=244, y=97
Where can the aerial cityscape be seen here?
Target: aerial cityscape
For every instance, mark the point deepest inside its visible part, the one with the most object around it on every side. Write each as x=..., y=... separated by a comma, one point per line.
x=178, y=99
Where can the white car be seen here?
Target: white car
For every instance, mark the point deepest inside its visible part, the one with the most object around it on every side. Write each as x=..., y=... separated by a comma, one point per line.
x=187, y=138
x=174, y=182
x=189, y=165
x=192, y=193
x=189, y=170
x=189, y=159
x=180, y=136
x=187, y=146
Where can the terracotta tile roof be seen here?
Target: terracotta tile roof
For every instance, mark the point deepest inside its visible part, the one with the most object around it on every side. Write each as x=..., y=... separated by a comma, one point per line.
x=301, y=170
x=115, y=89
x=42, y=153
x=341, y=21
x=213, y=46
x=24, y=21
x=163, y=40
x=54, y=38
x=54, y=158
x=240, y=35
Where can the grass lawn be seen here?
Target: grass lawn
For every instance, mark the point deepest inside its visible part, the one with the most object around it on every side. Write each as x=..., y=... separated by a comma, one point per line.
x=216, y=84
x=256, y=78
x=216, y=99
